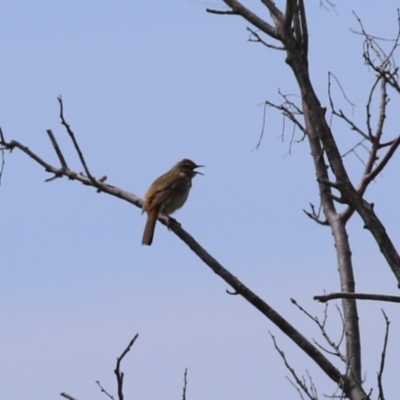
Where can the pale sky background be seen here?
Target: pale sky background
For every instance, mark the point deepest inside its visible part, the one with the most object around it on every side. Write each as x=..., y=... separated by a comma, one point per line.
x=146, y=84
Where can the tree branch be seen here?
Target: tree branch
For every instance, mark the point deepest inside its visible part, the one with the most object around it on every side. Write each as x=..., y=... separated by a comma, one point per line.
x=72, y=136
x=259, y=40
x=117, y=371
x=57, y=149
x=67, y=396
x=289, y=13
x=221, y=12
x=383, y=357
x=239, y=9
x=184, y=384
x=102, y=390
x=322, y=327
x=359, y=296
x=301, y=383
x=215, y=266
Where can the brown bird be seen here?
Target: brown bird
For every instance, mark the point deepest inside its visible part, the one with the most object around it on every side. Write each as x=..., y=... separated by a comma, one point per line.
x=168, y=193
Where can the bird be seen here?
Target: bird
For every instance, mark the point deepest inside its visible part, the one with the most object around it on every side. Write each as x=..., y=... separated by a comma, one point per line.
x=167, y=194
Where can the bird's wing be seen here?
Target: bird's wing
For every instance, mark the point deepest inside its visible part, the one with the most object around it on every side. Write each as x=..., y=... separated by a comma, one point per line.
x=166, y=188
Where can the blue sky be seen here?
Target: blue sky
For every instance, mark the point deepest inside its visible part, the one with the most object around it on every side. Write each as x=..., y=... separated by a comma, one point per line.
x=146, y=84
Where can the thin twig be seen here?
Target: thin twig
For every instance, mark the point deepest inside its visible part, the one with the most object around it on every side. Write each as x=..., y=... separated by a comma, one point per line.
x=2, y=140
x=184, y=384
x=258, y=39
x=300, y=382
x=102, y=390
x=321, y=325
x=117, y=371
x=57, y=149
x=68, y=396
x=383, y=357
x=262, y=127
x=384, y=161
x=341, y=88
x=315, y=216
x=75, y=142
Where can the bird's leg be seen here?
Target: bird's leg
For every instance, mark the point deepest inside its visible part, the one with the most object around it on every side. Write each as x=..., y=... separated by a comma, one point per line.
x=171, y=222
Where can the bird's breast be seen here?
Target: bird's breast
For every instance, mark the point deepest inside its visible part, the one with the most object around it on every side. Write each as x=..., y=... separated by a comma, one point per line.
x=175, y=201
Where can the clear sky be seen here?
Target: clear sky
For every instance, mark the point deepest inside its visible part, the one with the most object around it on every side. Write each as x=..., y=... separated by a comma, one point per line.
x=146, y=84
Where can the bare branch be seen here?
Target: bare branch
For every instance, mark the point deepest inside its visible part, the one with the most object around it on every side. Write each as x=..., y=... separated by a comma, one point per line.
x=72, y=136
x=2, y=140
x=221, y=12
x=262, y=127
x=340, y=113
x=184, y=384
x=315, y=216
x=14, y=144
x=57, y=149
x=102, y=390
x=359, y=296
x=368, y=107
x=386, y=65
x=68, y=396
x=289, y=110
x=215, y=266
x=259, y=40
x=370, y=177
x=321, y=325
x=382, y=111
x=383, y=357
x=353, y=150
x=287, y=113
x=304, y=31
x=301, y=384
x=333, y=6
x=331, y=74
x=289, y=13
x=238, y=8
x=117, y=371
x=275, y=12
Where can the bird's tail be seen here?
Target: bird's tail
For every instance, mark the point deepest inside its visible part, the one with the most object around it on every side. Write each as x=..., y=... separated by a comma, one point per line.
x=149, y=229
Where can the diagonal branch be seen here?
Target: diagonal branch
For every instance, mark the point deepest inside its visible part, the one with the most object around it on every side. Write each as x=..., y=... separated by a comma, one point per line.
x=102, y=390
x=68, y=396
x=275, y=12
x=374, y=173
x=210, y=261
x=238, y=8
x=57, y=149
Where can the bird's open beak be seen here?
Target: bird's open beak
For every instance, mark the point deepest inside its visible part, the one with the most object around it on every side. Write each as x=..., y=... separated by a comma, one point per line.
x=199, y=166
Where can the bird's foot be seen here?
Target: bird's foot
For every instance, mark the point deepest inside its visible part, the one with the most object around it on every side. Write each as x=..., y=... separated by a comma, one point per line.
x=172, y=222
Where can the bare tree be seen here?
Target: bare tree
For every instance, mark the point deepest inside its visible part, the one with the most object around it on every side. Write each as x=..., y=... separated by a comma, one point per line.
x=288, y=30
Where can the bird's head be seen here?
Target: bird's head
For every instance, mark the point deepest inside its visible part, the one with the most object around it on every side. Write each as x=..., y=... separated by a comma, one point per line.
x=188, y=167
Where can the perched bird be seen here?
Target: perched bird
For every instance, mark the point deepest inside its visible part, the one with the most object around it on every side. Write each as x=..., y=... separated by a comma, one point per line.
x=168, y=193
